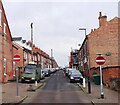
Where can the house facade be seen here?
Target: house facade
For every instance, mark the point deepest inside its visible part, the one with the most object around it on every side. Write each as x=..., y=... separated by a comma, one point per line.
x=103, y=40
x=9, y=48
x=6, y=54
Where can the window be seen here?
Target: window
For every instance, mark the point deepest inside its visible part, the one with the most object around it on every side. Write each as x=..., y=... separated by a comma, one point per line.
x=13, y=69
x=30, y=58
x=5, y=29
x=5, y=66
x=25, y=55
x=0, y=17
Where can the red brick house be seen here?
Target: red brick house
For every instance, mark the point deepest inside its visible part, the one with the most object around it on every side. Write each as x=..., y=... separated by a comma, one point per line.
x=43, y=58
x=70, y=60
x=6, y=57
x=105, y=40
x=15, y=51
x=8, y=49
x=102, y=40
x=18, y=50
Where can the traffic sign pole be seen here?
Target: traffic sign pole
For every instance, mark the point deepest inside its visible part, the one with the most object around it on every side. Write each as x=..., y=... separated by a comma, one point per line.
x=17, y=77
x=16, y=59
x=100, y=61
x=101, y=83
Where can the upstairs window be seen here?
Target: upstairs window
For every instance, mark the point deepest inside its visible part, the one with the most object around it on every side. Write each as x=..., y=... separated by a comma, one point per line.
x=5, y=66
x=5, y=33
x=0, y=17
x=4, y=28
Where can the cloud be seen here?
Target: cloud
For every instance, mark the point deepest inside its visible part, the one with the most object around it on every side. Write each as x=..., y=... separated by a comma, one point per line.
x=56, y=24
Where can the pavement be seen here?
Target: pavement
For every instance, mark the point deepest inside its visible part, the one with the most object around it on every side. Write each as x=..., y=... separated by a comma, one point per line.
x=9, y=93
x=110, y=96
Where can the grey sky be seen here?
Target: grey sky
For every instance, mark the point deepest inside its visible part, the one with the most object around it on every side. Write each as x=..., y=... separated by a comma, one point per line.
x=56, y=24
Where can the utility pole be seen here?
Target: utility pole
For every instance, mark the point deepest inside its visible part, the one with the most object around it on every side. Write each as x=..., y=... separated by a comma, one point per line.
x=88, y=63
x=32, y=40
x=52, y=58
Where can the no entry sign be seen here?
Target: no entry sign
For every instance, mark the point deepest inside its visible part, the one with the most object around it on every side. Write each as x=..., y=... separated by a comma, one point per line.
x=100, y=60
x=16, y=58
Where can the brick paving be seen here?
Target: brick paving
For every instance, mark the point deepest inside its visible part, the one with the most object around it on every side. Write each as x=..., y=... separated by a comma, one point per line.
x=9, y=93
x=110, y=96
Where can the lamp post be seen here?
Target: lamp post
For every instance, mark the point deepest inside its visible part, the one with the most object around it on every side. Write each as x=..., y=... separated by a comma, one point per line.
x=87, y=56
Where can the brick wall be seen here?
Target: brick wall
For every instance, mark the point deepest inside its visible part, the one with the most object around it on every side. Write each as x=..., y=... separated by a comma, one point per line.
x=0, y=57
x=6, y=42
x=102, y=40
x=107, y=72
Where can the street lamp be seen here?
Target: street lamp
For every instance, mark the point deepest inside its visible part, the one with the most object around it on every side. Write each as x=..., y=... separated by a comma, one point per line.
x=84, y=29
x=87, y=56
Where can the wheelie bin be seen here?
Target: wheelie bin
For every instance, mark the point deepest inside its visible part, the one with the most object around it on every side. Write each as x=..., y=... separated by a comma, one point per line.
x=96, y=79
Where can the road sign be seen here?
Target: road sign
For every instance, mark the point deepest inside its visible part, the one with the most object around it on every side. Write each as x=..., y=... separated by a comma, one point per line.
x=100, y=60
x=16, y=58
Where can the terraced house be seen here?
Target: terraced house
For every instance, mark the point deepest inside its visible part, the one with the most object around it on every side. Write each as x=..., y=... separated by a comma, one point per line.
x=9, y=47
x=6, y=71
x=104, y=40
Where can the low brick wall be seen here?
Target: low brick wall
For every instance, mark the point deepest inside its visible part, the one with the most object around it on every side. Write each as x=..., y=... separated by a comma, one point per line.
x=109, y=73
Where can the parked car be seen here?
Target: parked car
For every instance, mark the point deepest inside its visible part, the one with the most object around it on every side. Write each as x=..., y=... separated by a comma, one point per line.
x=42, y=74
x=52, y=70
x=46, y=72
x=70, y=71
x=66, y=71
x=76, y=77
x=31, y=73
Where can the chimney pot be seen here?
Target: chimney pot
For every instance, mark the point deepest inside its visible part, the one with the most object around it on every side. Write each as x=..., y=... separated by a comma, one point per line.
x=102, y=19
x=91, y=30
x=100, y=14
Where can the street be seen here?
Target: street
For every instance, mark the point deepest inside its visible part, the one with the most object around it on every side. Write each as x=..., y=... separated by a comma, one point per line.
x=58, y=89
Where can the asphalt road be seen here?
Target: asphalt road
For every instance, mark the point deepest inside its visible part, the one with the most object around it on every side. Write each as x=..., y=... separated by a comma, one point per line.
x=58, y=89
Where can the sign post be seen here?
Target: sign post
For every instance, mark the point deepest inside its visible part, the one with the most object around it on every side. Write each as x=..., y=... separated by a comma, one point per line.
x=100, y=61
x=16, y=59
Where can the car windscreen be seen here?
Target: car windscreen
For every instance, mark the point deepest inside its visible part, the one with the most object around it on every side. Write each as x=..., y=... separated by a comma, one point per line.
x=45, y=71
x=29, y=70
x=76, y=74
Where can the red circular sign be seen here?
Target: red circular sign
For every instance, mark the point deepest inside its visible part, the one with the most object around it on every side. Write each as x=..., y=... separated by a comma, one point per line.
x=16, y=58
x=100, y=60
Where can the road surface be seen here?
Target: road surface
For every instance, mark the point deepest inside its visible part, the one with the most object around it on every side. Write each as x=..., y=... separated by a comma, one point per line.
x=58, y=89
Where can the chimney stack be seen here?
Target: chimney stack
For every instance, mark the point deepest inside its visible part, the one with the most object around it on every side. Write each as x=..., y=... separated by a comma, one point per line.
x=91, y=30
x=102, y=20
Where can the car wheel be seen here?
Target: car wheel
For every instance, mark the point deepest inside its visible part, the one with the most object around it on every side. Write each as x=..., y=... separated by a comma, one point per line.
x=38, y=80
x=22, y=81
x=71, y=81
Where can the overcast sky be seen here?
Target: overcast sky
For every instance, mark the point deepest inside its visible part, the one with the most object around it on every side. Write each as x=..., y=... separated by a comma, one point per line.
x=56, y=24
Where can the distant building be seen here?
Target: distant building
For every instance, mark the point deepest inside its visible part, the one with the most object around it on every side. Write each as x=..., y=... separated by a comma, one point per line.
x=70, y=60
x=83, y=56
x=73, y=63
